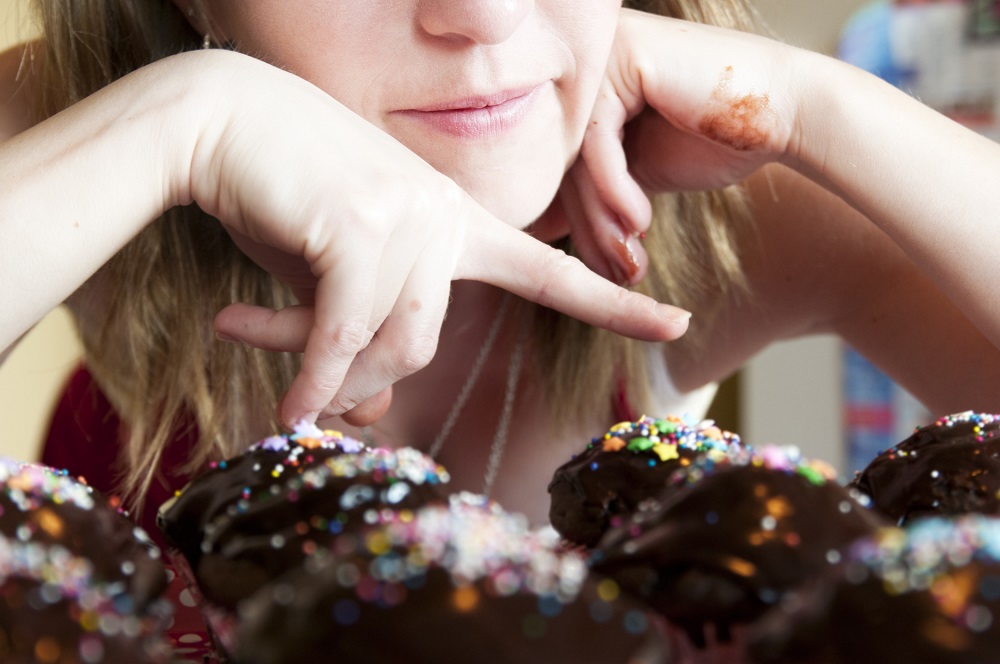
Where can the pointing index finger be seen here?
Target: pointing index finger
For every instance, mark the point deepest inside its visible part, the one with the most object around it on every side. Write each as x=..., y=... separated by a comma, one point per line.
x=340, y=331
x=506, y=257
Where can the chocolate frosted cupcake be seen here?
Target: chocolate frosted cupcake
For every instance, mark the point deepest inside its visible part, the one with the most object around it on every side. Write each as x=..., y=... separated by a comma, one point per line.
x=55, y=609
x=731, y=537
x=950, y=467
x=927, y=593
x=629, y=463
x=44, y=506
x=274, y=527
x=266, y=464
x=465, y=582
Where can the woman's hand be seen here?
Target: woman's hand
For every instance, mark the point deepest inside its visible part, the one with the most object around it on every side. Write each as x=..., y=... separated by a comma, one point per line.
x=684, y=106
x=370, y=237
x=687, y=106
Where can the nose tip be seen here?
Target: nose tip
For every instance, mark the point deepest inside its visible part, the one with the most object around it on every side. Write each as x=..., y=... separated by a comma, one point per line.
x=485, y=22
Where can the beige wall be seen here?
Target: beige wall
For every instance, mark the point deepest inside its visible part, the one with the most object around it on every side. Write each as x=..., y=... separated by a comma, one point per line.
x=29, y=380
x=799, y=379
x=11, y=21
x=813, y=24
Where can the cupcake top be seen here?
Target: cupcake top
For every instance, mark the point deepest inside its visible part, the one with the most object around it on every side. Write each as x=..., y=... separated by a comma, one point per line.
x=950, y=467
x=474, y=539
x=43, y=505
x=730, y=536
x=918, y=556
x=273, y=525
x=928, y=592
x=627, y=464
x=267, y=463
x=29, y=486
x=305, y=437
x=54, y=608
x=382, y=476
x=54, y=565
x=665, y=438
x=787, y=459
x=321, y=501
x=465, y=579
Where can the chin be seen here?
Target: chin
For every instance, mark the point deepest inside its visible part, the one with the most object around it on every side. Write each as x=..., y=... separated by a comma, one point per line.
x=520, y=200
x=519, y=213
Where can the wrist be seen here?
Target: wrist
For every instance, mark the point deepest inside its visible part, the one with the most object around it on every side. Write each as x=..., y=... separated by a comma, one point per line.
x=187, y=118
x=834, y=119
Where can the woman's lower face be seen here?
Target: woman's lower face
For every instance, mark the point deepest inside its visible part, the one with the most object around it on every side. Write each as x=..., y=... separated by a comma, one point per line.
x=493, y=93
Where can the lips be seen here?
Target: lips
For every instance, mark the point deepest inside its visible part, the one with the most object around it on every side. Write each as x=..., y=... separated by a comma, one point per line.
x=477, y=117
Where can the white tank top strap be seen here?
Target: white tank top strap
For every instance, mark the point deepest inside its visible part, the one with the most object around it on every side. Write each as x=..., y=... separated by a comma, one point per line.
x=666, y=399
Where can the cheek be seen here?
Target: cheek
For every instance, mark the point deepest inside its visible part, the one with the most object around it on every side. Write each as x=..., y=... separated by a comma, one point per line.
x=326, y=43
x=590, y=43
x=515, y=178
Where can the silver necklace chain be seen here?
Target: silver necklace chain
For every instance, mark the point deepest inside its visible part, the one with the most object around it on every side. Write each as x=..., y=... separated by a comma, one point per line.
x=499, y=443
x=470, y=381
x=510, y=390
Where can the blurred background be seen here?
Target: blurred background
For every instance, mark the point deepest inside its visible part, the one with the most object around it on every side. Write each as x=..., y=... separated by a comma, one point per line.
x=814, y=393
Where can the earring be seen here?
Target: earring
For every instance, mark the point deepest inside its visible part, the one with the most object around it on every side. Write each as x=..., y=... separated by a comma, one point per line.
x=206, y=42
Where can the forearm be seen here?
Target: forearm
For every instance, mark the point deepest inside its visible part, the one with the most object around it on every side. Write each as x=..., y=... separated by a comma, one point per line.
x=79, y=186
x=929, y=183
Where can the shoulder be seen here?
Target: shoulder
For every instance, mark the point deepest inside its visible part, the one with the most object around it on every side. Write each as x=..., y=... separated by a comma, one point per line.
x=16, y=88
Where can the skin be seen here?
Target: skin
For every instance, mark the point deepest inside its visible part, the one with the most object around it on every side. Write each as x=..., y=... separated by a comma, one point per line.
x=428, y=53
x=631, y=104
x=454, y=53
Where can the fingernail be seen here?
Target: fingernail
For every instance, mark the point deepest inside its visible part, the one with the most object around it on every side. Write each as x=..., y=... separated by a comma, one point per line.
x=229, y=339
x=673, y=314
x=617, y=277
x=291, y=419
x=626, y=249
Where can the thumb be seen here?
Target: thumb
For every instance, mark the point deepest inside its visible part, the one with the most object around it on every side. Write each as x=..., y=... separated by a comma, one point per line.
x=370, y=410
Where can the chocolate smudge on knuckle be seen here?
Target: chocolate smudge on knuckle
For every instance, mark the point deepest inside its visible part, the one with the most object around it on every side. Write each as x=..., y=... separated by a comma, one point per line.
x=737, y=121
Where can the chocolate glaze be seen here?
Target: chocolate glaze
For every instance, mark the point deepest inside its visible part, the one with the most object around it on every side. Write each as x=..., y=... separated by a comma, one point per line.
x=52, y=610
x=45, y=506
x=465, y=583
x=617, y=471
x=925, y=594
x=268, y=463
x=948, y=468
x=739, y=122
x=275, y=527
x=731, y=539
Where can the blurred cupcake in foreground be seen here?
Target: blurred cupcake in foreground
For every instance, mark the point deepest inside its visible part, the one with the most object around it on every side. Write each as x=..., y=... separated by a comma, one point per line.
x=46, y=506
x=730, y=538
x=54, y=609
x=925, y=593
x=465, y=580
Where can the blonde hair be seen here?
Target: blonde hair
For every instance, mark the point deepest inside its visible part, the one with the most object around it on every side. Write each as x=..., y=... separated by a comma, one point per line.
x=156, y=357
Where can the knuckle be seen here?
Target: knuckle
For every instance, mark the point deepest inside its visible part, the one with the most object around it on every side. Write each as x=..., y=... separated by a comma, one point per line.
x=415, y=355
x=319, y=383
x=349, y=338
x=556, y=266
x=337, y=407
